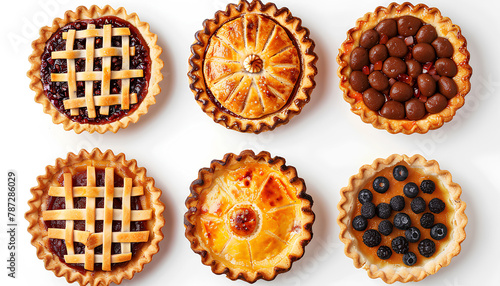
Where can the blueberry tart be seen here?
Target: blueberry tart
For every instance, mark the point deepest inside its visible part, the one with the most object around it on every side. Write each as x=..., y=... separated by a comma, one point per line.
x=96, y=70
x=249, y=216
x=415, y=236
x=95, y=218
x=252, y=66
x=405, y=68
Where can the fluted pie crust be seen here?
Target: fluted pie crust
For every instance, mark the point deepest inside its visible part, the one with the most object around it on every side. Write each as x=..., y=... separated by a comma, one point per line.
x=249, y=216
x=402, y=273
x=136, y=184
x=122, y=100
x=252, y=66
x=445, y=28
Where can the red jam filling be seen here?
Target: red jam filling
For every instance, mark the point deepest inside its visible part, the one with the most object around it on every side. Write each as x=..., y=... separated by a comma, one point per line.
x=58, y=247
x=57, y=92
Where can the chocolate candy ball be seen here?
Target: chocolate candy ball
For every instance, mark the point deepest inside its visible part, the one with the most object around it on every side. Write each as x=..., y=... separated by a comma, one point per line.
x=388, y=27
x=408, y=25
x=415, y=109
x=414, y=68
x=423, y=52
x=397, y=47
x=426, y=84
x=401, y=91
x=393, y=67
x=393, y=110
x=446, y=67
x=359, y=58
x=443, y=47
x=378, y=53
x=436, y=103
x=373, y=99
x=426, y=34
x=369, y=38
x=359, y=81
x=447, y=87
x=378, y=80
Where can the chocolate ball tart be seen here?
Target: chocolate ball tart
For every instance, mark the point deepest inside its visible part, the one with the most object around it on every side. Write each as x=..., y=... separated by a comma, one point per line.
x=405, y=68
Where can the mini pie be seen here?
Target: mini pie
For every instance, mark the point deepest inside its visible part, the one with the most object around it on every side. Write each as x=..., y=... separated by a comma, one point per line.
x=96, y=70
x=95, y=218
x=249, y=216
x=405, y=68
x=401, y=218
x=252, y=66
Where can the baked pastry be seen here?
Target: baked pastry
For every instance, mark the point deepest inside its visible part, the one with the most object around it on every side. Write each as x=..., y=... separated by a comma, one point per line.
x=95, y=218
x=405, y=68
x=252, y=66
x=401, y=218
x=96, y=70
x=249, y=216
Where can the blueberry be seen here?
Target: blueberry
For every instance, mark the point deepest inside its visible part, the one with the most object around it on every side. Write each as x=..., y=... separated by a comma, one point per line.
x=410, y=190
x=436, y=205
x=427, y=247
x=371, y=238
x=427, y=220
x=359, y=223
x=383, y=210
x=381, y=184
x=402, y=221
x=385, y=227
x=409, y=258
x=384, y=252
x=365, y=196
x=412, y=234
x=418, y=205
x=397, y=203
x=439, y=231
x=368, y=210
x=400, y=173
x=427, y=186
x=400, y=245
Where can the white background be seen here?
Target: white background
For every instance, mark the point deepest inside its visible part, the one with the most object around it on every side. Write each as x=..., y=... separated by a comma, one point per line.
x=327, y=143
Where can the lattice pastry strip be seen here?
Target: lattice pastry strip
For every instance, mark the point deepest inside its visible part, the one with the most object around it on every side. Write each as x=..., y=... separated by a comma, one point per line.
x=91, y=214
x=105, y=99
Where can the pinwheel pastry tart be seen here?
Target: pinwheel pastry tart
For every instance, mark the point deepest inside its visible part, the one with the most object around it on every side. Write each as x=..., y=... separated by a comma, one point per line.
x=95, y=218
x=401, y=218
x=252, y=66
x=96, y=70
x=405, y=68
x=249, y=216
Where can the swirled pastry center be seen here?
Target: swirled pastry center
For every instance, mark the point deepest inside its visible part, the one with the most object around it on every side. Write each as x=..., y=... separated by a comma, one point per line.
x=251, y=66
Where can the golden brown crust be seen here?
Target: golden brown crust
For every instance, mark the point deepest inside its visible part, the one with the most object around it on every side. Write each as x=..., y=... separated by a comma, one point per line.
x=91, y=13
x=391, y=274
x=150, y=200
x=283, y=263
x=445, y=28
x=251, y=120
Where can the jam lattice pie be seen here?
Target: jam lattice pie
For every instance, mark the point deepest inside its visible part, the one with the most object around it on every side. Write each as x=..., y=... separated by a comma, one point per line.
x=96, y=69
x=95, y=218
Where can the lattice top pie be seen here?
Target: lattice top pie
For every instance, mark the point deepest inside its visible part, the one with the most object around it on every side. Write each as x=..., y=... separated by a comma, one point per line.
x=252, y=66
x=249, y=216
x=97, y=72
x=95, y=218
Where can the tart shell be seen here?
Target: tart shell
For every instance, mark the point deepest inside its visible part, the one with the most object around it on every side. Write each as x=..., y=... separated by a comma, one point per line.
x=233, y=272
x=150, y=199
x=91, y=13
x=391, y=274
x=445, y=28
x=302, y=89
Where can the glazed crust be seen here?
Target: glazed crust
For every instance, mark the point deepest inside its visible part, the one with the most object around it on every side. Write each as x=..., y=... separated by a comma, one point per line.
x=445, y=28
x=302, y=88
x=150, y=200
x=233, y=272
x=92, y=13
x=391, y=274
